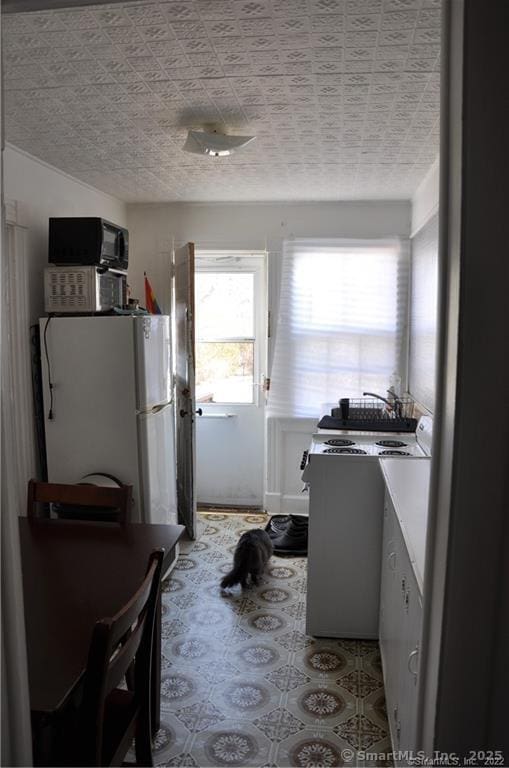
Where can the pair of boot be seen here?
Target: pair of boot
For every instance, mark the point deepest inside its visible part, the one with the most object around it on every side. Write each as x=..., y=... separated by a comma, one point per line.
x=289, y=534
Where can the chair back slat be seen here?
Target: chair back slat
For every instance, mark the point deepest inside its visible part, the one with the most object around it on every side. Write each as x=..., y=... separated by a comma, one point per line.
x=118, y=500
x=123, y=655
x=133, y=610
x=116, y=643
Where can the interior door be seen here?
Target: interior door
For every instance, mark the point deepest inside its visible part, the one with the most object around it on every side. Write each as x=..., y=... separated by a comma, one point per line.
x=183, y=294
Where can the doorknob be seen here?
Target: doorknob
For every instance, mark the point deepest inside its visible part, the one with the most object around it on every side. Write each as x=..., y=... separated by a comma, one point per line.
x=186, y=413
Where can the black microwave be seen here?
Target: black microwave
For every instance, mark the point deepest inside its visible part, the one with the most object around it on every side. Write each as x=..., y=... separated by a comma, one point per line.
x=84, y=241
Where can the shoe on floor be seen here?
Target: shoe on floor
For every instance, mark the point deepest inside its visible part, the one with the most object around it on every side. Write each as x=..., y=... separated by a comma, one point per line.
x=289, y=534
x=280, y=523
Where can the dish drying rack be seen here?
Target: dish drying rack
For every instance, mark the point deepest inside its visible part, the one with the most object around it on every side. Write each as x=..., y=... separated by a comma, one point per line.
x=369, y=408
x=374, y=414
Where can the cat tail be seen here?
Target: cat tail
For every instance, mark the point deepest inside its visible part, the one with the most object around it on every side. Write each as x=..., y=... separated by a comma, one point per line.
x=235, y=576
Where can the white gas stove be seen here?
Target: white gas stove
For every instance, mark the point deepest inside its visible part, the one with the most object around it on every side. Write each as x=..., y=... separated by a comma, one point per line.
x=346, y=487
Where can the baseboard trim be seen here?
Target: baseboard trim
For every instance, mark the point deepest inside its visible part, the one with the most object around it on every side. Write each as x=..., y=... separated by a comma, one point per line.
x=289, y=504
x=216, y=505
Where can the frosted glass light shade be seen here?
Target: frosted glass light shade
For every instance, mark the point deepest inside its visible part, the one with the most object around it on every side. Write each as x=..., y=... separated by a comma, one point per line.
x=214, y=144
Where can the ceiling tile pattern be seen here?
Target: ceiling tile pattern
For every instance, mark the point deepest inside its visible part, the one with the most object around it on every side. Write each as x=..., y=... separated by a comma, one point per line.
x=343, y=96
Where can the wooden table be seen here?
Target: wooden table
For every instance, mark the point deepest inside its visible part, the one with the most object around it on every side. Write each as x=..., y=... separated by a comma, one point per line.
x=75, y=573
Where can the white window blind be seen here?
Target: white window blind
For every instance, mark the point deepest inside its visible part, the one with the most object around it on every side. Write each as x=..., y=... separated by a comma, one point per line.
x=342, y=326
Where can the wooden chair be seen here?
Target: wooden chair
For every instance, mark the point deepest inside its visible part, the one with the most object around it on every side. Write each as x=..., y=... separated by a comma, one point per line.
x=108, y=717
x=111, y=504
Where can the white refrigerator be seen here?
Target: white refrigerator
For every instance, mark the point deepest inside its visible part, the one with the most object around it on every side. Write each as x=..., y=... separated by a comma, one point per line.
x=108, y=406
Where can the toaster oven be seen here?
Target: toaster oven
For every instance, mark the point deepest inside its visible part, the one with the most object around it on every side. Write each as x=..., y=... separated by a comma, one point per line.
x=83, y=289
x=81, y=240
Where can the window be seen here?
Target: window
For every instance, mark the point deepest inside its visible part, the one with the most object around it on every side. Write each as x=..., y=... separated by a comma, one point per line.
x=342, y=323
x=225, y=337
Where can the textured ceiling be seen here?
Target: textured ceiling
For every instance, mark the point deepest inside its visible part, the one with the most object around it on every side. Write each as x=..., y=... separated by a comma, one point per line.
x=343, y=95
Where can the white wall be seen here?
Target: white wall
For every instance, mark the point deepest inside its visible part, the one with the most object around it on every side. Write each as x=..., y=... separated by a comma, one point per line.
x=245, y=226
x=424, y=289
x=38, y=191
x=425, y=199
x=423, y=315
x=41, y=191
x=152, y=228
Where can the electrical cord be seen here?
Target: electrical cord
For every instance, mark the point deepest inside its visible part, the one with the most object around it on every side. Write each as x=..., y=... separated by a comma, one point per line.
x=50, y=383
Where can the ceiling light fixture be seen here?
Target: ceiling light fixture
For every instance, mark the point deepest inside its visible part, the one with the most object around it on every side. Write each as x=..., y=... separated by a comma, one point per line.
x=214, y=143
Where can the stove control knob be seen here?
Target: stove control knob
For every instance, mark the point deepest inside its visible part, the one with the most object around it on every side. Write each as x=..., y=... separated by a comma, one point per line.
x=304, y=460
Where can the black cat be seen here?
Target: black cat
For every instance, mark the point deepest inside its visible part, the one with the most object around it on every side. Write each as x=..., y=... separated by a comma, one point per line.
x=251, y=555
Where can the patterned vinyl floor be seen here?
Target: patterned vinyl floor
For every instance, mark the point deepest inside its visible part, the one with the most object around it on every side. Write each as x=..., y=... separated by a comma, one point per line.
x=243, y=685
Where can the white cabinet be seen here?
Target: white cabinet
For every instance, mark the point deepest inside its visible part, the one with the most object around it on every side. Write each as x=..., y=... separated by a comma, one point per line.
x=400, y=632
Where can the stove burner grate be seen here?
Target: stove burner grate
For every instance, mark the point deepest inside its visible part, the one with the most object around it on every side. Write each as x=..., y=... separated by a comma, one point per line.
x=349, y=451
x=391, y=443
x=394, y=453
x=339, y=442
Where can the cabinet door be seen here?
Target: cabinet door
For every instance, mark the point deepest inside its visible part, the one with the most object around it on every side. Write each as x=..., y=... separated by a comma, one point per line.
x=400, y=629
x=387, y=571
x=409, y=670
x=391, y=615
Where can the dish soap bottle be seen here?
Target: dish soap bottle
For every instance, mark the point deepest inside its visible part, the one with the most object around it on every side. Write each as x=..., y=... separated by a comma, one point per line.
x=393, y=395
x=395, y=384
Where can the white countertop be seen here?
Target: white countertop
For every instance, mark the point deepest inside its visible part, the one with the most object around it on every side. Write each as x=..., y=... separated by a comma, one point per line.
x=407, y=481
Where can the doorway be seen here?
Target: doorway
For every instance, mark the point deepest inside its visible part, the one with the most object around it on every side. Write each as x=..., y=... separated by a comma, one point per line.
x=230, y=323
